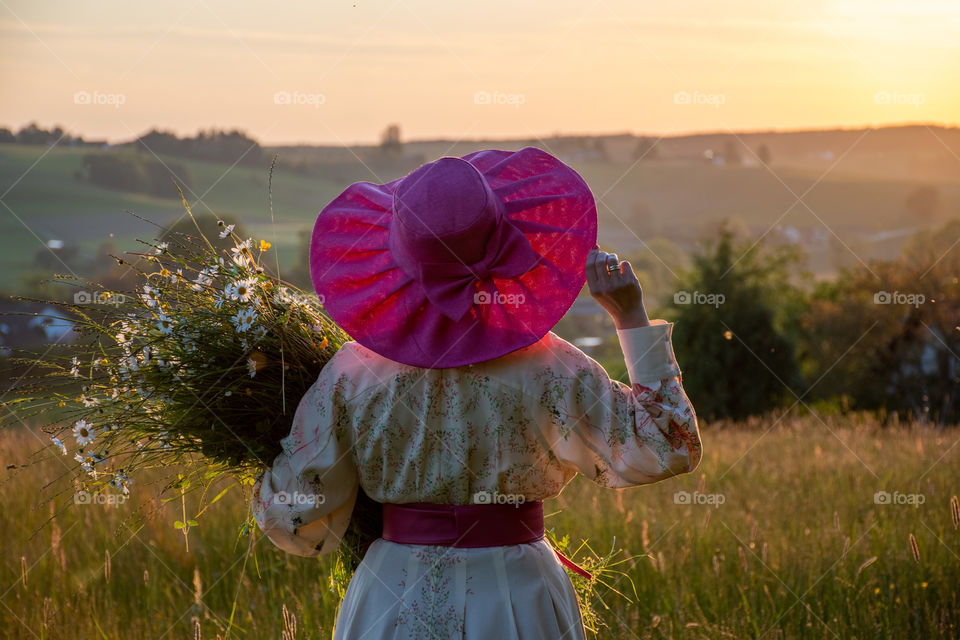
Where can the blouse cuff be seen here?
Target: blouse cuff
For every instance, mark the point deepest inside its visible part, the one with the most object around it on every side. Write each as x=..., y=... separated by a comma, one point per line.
x=648, y=352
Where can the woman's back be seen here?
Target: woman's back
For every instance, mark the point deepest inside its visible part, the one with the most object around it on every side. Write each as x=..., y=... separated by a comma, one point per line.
x=518, y=427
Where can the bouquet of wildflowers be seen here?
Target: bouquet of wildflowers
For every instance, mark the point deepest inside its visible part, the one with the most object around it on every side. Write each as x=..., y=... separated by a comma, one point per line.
x=200, y=368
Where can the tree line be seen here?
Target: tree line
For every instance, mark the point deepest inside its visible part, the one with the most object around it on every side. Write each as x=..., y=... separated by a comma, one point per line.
x=754, y=335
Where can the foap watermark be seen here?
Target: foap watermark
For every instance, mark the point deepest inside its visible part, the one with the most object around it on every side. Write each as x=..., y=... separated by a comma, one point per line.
x=698, y=297
x=898, y=297
x=685, y=497
x=298, y=498
x=885, y=497
x=101, y=98
x=85, y=497
x=98, y=297
x=897, y=98
x=299, y=98
x=512, y=99
x=714, y=100
x=485, y=297
x=495, y=497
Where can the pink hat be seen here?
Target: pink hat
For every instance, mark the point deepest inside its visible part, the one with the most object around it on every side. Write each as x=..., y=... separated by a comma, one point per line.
x=463, y=260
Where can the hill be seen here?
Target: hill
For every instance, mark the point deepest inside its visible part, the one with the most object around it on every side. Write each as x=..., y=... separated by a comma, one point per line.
x=844, y=194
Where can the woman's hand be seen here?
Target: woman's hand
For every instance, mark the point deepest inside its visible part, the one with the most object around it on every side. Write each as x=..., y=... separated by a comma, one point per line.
x=616, y=289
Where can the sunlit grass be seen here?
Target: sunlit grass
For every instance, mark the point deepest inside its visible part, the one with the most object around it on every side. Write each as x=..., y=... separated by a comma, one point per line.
x=798, y=547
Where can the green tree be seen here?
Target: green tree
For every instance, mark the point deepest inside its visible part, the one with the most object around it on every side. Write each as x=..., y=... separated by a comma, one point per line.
x=390, y=139
x=731, y=152
x=763, y=154
x=735, y=312
x=885, y=336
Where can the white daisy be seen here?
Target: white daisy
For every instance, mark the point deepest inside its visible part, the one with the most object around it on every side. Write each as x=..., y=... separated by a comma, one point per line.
x=244, y=320
x=121, y=480
x=204, y=278
x=227, y=230
x=241, y=290
x=241, y=252
x=218, y=300
x=128, y=364
x=123, y=336
x=165, y=324
x=161, y=248
x=150, y=296
x=83, y=432
x=75, y=369
x=252, y=367
x=87, y=463
x=89, y=401
x=60, y=445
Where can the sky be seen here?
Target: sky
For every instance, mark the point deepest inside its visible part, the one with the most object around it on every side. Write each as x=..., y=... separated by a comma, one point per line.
x=339, y=72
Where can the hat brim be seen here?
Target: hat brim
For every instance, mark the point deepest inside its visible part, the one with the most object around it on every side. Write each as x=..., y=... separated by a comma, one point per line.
x=384, y=309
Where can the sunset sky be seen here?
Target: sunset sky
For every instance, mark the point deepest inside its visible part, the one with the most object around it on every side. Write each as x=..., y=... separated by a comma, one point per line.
x=334, y=71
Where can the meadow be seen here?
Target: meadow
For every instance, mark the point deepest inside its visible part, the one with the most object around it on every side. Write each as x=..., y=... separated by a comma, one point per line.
x=843, y=211
x=780, y=533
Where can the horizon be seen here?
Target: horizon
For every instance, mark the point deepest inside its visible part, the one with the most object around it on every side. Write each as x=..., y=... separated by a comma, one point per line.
x=555, y=134
x=338, y=74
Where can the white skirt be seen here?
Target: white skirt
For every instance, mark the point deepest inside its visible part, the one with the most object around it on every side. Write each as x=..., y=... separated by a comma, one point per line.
x=424, y=592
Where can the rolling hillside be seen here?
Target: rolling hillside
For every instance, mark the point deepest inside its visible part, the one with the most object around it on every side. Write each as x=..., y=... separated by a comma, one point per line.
x=853, y=202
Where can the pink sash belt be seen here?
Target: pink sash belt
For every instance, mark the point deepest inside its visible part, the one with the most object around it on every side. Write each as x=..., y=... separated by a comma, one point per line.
x=468, y=526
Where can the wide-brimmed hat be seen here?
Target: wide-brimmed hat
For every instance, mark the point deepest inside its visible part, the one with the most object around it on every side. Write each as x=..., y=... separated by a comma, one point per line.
x=463, y=260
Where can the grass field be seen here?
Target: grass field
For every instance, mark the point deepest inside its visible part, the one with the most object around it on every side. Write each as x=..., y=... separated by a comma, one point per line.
x=783, y=539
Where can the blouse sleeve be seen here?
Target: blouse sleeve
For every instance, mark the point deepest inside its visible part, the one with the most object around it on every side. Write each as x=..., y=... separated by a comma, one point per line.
x=620, y=436
x=303, y=503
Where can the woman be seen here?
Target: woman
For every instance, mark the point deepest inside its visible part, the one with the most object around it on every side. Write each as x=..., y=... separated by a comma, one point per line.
x=458, y=408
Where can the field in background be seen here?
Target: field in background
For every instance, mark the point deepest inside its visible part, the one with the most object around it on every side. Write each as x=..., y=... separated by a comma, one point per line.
x=55, y=205
x=853, y=186
x=779, y=535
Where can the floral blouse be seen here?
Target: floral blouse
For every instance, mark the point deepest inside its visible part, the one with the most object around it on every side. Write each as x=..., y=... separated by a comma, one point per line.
x=523, y=424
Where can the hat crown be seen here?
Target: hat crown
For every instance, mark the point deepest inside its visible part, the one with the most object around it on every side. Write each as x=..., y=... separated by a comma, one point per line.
x=444, y=212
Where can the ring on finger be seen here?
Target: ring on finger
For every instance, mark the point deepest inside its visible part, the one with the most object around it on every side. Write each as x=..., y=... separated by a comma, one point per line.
x=613, y=264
